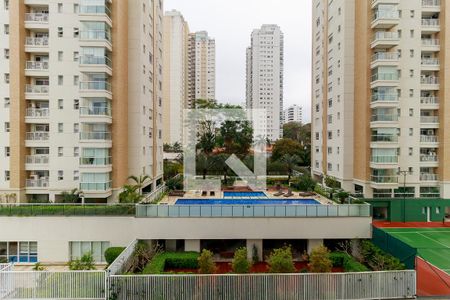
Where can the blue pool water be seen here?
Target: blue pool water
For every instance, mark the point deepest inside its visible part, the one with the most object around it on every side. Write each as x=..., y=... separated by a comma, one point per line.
x=246, y=201
x=243, y=194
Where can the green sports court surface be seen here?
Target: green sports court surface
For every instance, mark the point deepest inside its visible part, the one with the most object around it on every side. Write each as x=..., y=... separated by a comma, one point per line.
x=432, y=244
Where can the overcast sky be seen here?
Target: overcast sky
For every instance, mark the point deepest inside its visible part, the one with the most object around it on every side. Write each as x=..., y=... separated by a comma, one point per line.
x=231, y=22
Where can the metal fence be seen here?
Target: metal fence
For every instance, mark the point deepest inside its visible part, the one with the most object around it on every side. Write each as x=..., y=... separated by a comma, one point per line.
x=152, y=196
x=118, y=265
x=52, y=285
x=252, y=211
x=366, y=285
x=5, y=287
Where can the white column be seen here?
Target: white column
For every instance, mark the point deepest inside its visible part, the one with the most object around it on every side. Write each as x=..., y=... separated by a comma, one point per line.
x=192, y=245
x=258, y=244
x=314, y=244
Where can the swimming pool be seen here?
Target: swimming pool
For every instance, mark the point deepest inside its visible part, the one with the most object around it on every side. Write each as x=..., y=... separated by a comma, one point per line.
x=243, y=194
x=247, y=202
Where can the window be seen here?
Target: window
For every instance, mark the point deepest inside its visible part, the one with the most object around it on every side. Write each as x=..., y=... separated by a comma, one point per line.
x=411, y=93
x=76, y=8
x=60, y=127
x=6, y=53
x=60, y=7
x=6, y=102
x=18, y=252
x=76, y=175
x=76, y=80
x=76, y=128
x=76, y=56
x=6, y=29
x=60, y=103
x=60, y=56
x=6, y=4
x=97, y=249
x=411, y=33
x=60, y=32
x=76, y=104
x=411, y=53
x=7, y=151
x=411, y=112
x=76, y=152
x=7, y=78
x=7, y=177
x=60, y=151
x=7, y=127
x=60, y=175
x=76, y=32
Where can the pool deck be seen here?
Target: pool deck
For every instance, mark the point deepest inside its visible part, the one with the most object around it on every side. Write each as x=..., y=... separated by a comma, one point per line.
x=170, y=200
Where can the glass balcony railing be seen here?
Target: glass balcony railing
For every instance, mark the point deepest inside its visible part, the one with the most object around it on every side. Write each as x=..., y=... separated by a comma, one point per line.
x=428, y=177
x=428, y=158
x=380, y=15
x=430, y=62
x=37, y=183
x=429, y=119
x=36, y=17
x=384, y=179
x=37, y=159
x=429, y=100
x=431, y=23
x=96, y=35
x=386, y=56
x=37, y=112
x=430, y=42
x=386, y=36
x=95, y=10
x=429, y=80
x=95, y=60
x=384, y=77
x=384, y=159
x=390, y=97
x=37, y=136
x=95, y=136
x=36, y=41
x=95, y=111
x=385, y=138
x=36, y=89
x=385, y=118
x=95, y=186
x=431, y=3
x=428, y=139
x=95, y=86
x=95, y=161
x=36, y=65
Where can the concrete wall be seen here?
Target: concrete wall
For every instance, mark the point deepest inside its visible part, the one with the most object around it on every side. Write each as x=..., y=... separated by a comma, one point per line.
x=53, y=234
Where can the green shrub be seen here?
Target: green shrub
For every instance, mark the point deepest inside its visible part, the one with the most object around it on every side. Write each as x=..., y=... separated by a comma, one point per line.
x=377, y=259
x=319, y=260
x=341, y=259
x=240, y=262
x=112, y=253
x=176, y=260
x=85, y=263
x=206, y=263
x=280, y=261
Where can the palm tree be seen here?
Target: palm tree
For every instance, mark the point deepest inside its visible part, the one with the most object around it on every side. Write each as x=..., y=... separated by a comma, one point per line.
x=129, y=194
x=139, y=181
x=290, y=161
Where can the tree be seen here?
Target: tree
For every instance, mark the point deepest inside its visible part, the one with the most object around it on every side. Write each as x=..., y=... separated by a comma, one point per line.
x=129, y=194
x=331, y=182
x=319, y=260
x=71, y=196
x=85, y=263
x=285, y=146
x=206, y=137
x=280, y=261
x=342, y=196
x=175, y=183
x=240, y=263
x=205, y=104
x=291, y=130
x=204, y=163
x=306, y=183
x=290, y=161
x=206, y=263
x=236, y=137
x=139, y=181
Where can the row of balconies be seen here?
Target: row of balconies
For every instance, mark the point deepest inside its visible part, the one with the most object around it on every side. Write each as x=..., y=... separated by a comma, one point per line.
x=43, y=18
x=84, y=86
x=392, y=138
x=89, y=186
x=88, y=135
x=84, y=60
x=84, y=161
x=84, y=111
x=395, y=117
x=393, y=159
x=394, y=178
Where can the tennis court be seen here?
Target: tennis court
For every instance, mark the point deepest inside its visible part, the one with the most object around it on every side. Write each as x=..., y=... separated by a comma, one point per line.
x=432, y=244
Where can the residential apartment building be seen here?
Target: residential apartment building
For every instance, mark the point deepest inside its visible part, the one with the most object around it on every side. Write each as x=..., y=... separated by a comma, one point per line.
x=379, y=117
x=293, y=113
x=264, y=88
x=175, y=83
x=81, y=94
x=201, y=67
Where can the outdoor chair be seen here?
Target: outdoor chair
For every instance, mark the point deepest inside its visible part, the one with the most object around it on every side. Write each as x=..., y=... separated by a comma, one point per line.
x=204, y=193
x=279, y=193
x=289, y=193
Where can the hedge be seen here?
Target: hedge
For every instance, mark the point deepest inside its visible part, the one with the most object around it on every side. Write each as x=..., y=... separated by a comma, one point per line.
x=341, y=259
x=176, y=260
x=112, y=253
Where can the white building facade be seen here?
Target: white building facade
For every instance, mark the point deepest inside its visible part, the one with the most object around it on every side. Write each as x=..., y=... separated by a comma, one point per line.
x=293, y=113
x=264, y=86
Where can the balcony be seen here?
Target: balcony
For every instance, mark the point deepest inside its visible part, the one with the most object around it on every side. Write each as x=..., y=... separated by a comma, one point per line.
x=36, y=44
x=385, y=39
x=384, y=79
x=431, y=25
x=384, y=179
x=428, y=177
x=384, y=138
x=36, y=20
x=95, y=60
x=431, y=120
x=428, y=158
x=95, y=136
x=429, y=139
x=429, y=101
x=96, y=38
x=95, y=111
x=430, y=64
x=375, y=3
x=385, y=118
x=37, y=183
x=36, y=66
x=431, y=45
x=384, y=100
x=385, y=19
x=429, y=82
x=37, y=113
x=95, y=161
x=95, y=86
x=384, y=59
x=95, y=186
x=37, y=136
x=384, y=159
x=431, y=5
x=95, y=10
x=37, y=159
x=36, y=89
